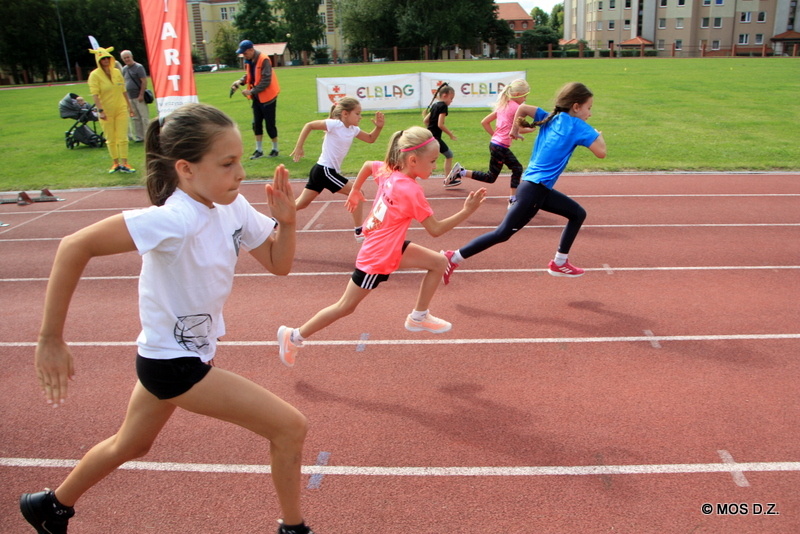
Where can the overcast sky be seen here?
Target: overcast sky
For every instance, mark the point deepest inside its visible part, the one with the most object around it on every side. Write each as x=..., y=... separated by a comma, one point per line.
x=544, y=5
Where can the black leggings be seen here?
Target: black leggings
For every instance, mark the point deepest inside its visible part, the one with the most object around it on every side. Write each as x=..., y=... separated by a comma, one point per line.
x=532, y=197
x=499, y=156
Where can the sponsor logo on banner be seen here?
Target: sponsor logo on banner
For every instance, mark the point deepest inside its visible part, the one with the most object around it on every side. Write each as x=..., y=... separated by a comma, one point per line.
x=337, y=92
x=435, y=84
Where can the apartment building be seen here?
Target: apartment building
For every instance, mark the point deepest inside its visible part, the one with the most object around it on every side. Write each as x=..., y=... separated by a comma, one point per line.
x=206, y=17
x=685, y=28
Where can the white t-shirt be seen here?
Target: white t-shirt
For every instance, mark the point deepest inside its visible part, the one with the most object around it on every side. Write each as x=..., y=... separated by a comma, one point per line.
x=337, y=143
x=189, y=254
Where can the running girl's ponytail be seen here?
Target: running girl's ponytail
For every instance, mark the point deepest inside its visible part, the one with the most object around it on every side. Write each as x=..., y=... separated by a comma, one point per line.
x=187, y=133
x=516, y=89
x=569, y=95
x=406, y=142
x=444, y=89
x=347, y=103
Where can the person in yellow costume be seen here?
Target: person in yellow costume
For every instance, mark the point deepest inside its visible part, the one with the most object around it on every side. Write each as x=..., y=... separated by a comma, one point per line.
x=107, y=87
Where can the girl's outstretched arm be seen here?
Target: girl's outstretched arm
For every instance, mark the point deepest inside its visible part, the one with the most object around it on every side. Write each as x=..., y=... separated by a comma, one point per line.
x=524, y=110
x=276, y=254
x=53, y=359
x=356, y=195
x=371, y=137
x=487, y=122
x=598, y=147
x=471, y=203
x=298, y=152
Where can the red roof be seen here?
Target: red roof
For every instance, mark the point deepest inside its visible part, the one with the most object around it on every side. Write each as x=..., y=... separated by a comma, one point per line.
x=636, y=41
x=787, y=36
x=512, y=11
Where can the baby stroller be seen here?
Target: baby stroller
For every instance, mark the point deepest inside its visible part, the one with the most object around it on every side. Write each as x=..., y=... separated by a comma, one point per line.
x=80, y=132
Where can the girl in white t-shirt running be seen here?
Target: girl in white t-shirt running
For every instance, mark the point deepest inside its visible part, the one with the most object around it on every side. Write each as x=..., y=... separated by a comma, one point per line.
x=189, y=241
x=400, y=199
x=340, y=128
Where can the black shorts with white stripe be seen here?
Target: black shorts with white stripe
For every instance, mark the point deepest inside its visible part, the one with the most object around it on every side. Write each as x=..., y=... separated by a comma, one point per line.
x=320, y=178
x=368, y=281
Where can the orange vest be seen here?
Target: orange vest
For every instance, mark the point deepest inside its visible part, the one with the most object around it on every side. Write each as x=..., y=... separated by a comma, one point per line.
x=271, y=92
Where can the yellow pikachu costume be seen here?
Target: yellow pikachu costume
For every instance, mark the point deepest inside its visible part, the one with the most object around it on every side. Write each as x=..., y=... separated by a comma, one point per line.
x=107, y=87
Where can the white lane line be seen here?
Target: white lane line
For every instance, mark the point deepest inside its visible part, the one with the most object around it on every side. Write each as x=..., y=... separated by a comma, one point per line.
x=46, y=213
x=736, y=472
x=461, y=270
x=346, y=470
x=654, y=343
x=459, y=341
x=316, y=216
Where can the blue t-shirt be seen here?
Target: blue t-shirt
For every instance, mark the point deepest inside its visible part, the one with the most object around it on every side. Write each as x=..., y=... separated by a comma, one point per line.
x=555, y=144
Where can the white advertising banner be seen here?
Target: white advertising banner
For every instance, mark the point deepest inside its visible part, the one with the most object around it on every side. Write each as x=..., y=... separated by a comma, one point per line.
x=400, y=91
x=410, y=91
x=473, y=90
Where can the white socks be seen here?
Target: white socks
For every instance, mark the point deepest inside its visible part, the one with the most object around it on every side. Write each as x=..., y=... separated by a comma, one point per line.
x=560, y=259
x=457, y=257
x=419, y=315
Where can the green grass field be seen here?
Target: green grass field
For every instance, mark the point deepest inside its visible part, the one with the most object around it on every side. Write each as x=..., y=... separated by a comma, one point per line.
x=710, y=114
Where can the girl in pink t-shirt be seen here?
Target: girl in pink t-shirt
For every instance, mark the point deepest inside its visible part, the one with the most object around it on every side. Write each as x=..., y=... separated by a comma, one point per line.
x=500, y=153
x=399, y=200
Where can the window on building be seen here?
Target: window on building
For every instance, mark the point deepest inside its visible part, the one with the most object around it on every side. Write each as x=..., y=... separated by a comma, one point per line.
x=681, y=3
x=704, y=22
x=610, y=44
x=679, y=44
x=744, y=16
x=662, y=3
x=718, y=22
x=223, y=13
x=627, y=4
x=679, y=23
x=706, y=2
x=759, y=38
x=715, y=44
x=232, y=11
x=627, y=24
x=662, y=24
x=599, y=6
x=719, y=2
x=744, y=38
x=762, y=16
x=323, y=19
x=599, y=26
x=612, y=4
x=660, y=44
x=524, y=25
x=511, y=25
x=611, y=24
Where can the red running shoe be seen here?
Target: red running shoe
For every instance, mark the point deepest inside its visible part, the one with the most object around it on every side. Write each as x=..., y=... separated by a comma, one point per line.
x=567, y=269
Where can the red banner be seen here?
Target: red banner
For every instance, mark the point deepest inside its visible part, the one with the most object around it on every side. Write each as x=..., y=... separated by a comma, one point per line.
x=169, y=52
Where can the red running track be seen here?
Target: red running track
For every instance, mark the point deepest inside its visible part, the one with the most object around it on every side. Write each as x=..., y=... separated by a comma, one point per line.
x=623, y=401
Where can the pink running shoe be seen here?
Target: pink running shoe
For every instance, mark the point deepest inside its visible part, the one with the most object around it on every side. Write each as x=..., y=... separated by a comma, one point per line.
x=431, y=324
x=567, y=269
x=448, y=272
x=286, y=349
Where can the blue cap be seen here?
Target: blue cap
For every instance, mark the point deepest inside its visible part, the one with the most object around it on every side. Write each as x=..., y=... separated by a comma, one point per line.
x=244, y=45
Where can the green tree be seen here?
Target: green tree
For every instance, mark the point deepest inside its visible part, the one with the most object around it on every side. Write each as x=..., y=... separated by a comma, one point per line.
x=23, y=23
x=255, y=21
x=557, y=19
x=299, y=24
x=537, y=39
x=224, y=45
x=359, y=18
x=540, y=18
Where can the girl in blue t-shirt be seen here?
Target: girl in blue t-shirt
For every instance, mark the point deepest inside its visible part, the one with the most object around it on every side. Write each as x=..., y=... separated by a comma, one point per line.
x=560, y=132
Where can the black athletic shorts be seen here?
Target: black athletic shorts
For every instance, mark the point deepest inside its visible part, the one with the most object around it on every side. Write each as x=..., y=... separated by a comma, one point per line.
x=320, y=178
x=371, y=281
x=167, y=379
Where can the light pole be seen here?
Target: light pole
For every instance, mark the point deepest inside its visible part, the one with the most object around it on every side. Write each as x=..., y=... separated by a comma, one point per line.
x=63, y=41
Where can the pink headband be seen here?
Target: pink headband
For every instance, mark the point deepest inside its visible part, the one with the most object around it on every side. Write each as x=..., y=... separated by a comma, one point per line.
x=422, y=144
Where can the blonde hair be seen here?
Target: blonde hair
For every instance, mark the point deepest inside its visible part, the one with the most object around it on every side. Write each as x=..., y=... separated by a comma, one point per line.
x=405, y=143
x=515, y=89
x=347, y=103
